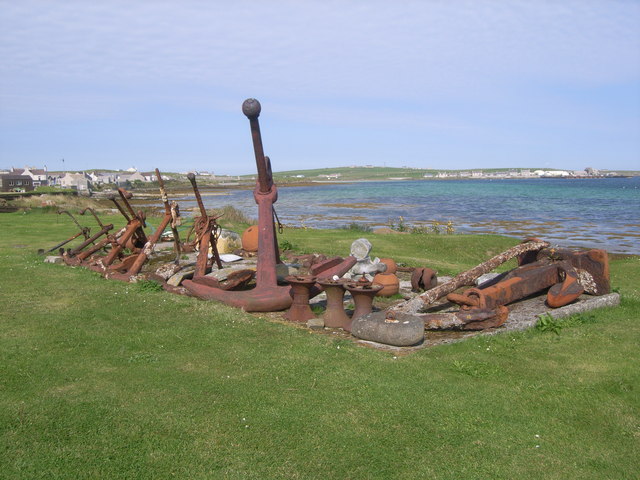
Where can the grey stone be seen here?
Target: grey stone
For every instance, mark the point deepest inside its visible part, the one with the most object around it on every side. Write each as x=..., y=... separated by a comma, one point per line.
x=364, y=267
x=285, y=269
x=315, y=323
x=360, y=248
x=167, y=270
x=222, y=275
x=184, y=274
x=402, y=331
x=487, y=277
x=228, y=241
x=53, y=259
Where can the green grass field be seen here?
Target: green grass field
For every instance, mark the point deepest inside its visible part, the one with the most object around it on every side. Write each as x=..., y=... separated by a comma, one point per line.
x=101, y=379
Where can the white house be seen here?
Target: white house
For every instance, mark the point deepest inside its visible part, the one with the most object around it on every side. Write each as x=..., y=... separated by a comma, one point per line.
x=38, y=175
x=77, y=181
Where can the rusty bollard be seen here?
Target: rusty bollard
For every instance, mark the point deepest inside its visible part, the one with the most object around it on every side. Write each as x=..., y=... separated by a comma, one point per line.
x=335, y=316
x=362, y=293
x=300, y=311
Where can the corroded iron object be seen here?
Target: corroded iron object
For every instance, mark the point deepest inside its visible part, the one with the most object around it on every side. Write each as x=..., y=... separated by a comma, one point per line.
x=467, y=319
x=84, y=231
x=567, y=275
x=172, y=210
x=390, y=284
x=133, y=236
x=335, y=315
x=267, y=296
x=567, y=291
x=592, y=267
x=362, y=293
x=465, y=278
x=300, y=311
x=423, y=279
x=519, y=283
x=207, y=232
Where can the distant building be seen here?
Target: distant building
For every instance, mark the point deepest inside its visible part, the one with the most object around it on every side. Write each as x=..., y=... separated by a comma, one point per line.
x=102, y=178
x=123, y=178
x=17, y=183
x=37, y=175
x=75, y=181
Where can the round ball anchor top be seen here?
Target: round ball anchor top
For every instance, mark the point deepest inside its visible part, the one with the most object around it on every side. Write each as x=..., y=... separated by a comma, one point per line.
x=251, y=108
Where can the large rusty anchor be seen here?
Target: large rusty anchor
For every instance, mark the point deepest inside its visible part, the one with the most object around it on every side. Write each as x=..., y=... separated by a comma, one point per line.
x=566, y=274
x=267, y=295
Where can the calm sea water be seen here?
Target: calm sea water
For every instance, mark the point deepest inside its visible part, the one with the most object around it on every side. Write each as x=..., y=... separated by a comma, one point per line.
x=592, y=213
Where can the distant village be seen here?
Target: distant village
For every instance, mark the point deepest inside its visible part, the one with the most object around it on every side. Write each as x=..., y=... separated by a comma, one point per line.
x=525, y=173
x=29, y=178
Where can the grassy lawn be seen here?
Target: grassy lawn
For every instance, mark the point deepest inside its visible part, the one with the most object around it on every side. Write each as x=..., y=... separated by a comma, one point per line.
x=100, y=379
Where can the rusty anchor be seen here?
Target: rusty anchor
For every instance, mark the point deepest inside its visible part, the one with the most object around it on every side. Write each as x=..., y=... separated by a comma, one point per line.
x=567, y=275
x=132, y=264
x=133, y=236
x=267, y=295
x=207, y=232
x=84, y=231
x=104, y=229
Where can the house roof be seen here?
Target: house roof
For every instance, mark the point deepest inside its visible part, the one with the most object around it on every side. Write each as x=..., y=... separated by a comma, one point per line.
x=14, y=176
x=35, y=171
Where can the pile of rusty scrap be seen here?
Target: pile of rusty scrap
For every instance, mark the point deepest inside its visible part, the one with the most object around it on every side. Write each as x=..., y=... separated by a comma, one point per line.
x=123, y=254
x=564, y=275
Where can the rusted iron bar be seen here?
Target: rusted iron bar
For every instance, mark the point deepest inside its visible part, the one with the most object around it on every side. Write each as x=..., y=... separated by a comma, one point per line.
x=111, y=239
x=170, y=209
x=125, y=196
x=73, y=237
x=84, y=231
x=105, y=229
x=131, y=228
x=517, y=284
x=252, y=108
x=472, y=319
x=466, y=278
x=119, y=207
x=133, y=264
x=95, y=215
x=147, y=250
x=207, y=232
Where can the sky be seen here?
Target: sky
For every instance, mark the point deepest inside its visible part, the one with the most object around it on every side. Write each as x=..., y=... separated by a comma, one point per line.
x=427, y=84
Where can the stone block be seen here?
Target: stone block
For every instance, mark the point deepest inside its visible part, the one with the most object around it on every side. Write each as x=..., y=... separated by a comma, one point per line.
x=315, y=323
x=184, y=274
x=401, y=331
